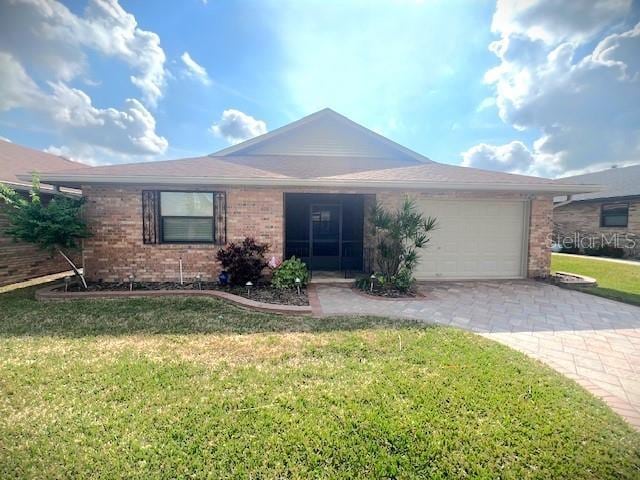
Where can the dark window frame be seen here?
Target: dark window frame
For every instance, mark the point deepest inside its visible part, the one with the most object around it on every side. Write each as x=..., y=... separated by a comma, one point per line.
x=603, y=214
x=161, y=218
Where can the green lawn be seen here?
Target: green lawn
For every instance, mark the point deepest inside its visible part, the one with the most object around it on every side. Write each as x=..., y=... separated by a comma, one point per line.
x=176, y=388
x=618, y=281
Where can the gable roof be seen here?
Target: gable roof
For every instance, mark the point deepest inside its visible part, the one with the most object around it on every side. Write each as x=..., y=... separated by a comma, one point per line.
x=324, y=133
x=616, y=182
x=324, y=149
x=18, y=161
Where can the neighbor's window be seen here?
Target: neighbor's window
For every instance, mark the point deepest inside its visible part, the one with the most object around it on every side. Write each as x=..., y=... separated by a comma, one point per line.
x=614, y=215
x=187, y=217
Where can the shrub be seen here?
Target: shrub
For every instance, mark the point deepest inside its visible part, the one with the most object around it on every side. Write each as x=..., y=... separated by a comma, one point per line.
x=244, y=261
x=285, y=275
x=54, y=226
x=398, y=237
x=403, y=280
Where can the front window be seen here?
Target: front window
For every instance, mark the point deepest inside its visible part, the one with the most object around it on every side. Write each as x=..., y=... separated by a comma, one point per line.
x=187, y=217
x=614, y=215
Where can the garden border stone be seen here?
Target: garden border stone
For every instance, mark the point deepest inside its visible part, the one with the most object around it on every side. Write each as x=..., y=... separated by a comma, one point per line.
x=49, y=293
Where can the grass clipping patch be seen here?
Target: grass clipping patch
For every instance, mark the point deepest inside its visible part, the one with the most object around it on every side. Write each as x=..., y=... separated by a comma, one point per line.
x=262, y=396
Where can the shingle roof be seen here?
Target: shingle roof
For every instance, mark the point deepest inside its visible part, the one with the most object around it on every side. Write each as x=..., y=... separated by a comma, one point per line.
x=617, y=182
x=196, y=167
x=19, y=160
x=323, y=149
x=439, y=172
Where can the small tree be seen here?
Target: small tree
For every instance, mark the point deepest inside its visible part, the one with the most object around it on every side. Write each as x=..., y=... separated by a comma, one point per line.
x=398, y=237
x=55, y=226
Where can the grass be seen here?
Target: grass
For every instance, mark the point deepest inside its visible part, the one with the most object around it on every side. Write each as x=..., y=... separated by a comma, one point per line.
x=617, y=281
x=176, y=388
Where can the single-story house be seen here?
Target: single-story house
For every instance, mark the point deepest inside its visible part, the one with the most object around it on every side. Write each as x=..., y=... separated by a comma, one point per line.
x=609, y=216
x=21, y=261
x=306, y=189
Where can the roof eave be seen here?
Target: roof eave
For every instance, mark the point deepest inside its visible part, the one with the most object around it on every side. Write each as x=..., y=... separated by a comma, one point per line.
x=44, y=188
x=79, y=180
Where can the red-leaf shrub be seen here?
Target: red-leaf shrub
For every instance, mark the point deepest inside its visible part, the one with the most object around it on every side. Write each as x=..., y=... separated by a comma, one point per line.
x=244, y=261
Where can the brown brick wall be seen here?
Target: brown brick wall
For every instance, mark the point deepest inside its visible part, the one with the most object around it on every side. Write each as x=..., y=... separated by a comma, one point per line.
x=116, y=249
x=540, y=231
x=540, y=226
x=21, y=261
x=584, y=218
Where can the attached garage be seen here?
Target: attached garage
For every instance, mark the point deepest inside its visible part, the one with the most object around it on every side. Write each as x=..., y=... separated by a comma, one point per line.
x=475, y=239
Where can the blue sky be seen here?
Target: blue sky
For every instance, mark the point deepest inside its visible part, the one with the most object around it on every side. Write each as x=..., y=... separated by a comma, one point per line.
x=415, y=71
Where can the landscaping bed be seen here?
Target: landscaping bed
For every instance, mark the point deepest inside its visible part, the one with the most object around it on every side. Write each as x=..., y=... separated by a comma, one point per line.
x=259, y=293
x=363, y=285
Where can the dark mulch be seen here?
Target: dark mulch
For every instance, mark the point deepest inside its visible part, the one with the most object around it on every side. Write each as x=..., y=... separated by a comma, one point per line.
x=388, y=292
x=259, y=293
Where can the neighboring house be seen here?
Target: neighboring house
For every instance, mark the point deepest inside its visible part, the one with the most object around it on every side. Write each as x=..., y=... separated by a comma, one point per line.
x=20, y=261
x=611, y=215
x=307, y=189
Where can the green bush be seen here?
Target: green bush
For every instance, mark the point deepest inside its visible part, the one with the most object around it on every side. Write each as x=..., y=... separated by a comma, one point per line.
x=403, y=280
x=285, y=275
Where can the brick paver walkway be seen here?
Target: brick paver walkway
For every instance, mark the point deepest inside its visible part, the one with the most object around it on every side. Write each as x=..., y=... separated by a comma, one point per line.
x=592, y=340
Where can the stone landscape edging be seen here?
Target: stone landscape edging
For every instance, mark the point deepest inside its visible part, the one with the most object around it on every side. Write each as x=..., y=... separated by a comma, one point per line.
x=50, y=293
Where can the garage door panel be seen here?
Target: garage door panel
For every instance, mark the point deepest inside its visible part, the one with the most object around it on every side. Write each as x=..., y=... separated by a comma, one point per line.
x=474, y=239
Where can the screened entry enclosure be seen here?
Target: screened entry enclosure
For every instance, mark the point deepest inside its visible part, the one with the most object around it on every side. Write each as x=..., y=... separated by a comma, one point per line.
x=325, y=230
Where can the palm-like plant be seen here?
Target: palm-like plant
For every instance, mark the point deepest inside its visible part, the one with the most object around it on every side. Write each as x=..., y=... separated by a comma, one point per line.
x=399, y=235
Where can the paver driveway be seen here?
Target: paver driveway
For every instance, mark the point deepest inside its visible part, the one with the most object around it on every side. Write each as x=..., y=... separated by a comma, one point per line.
x=592, y=340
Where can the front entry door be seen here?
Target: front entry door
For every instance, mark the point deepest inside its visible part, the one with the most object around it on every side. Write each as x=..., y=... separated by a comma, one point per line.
x=326, y=226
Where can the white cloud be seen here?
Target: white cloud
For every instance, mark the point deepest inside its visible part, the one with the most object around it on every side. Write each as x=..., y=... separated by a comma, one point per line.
x=194, y=70
x=235, y=126
x=486, y=103
x=557, y=20
x=46, y=34
x=120, y=133
x=128, y=131
x=5, y=139
x=17, y=89
x=583, y=105
x=512, y=157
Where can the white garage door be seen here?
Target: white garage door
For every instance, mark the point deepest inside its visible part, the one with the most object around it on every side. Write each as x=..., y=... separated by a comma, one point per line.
x=474, y=239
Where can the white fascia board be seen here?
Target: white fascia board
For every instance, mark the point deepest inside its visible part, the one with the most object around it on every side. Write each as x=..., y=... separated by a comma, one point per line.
x=78, y=180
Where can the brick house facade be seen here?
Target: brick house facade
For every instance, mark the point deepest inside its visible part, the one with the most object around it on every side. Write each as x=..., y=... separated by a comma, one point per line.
x=583, y=220
x=307, y=189
x=116, y=249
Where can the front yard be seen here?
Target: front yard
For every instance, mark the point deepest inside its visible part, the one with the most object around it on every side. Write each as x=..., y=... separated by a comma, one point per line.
x=617, y=281
x=166, y=388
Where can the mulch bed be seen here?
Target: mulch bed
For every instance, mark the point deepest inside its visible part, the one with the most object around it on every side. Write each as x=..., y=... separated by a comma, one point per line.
x=388, y=292
x=258, y=293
